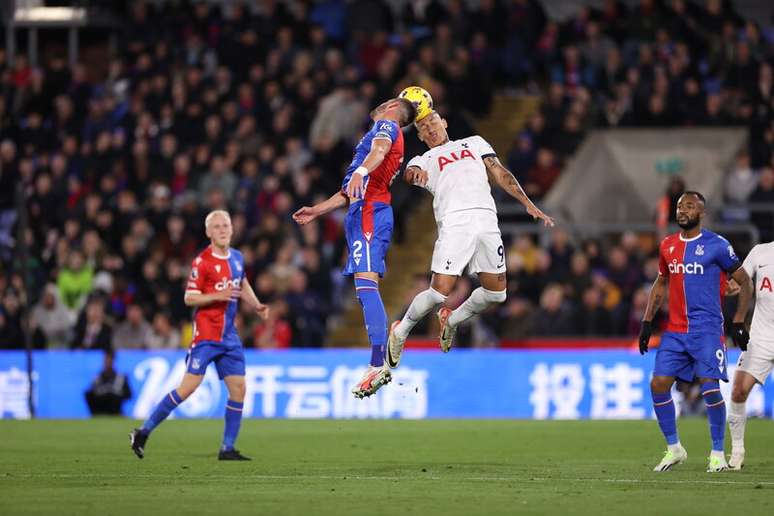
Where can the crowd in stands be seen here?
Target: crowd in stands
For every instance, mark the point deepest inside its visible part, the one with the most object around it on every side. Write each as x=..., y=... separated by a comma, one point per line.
x=257, y=111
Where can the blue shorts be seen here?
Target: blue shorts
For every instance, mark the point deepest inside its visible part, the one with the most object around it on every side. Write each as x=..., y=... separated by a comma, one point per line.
x=229, y=360
x=368, y=227
x=688, y=355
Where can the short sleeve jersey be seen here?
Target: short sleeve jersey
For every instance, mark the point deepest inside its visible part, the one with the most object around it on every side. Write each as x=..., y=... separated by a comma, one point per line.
x=759, y=265
x=212, y=272
x=457, y=175
x=696, y=269
x=378, y=181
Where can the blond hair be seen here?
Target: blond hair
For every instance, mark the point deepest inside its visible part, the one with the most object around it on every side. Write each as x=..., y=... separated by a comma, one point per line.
x=214, y=213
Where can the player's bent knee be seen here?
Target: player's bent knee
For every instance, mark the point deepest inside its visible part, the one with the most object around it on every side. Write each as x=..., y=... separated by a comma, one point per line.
x=492, y=296
x=661, y=384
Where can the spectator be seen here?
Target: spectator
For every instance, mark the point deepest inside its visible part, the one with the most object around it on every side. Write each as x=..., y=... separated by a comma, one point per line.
x=51, y=321
x=92, y=330
x=11, y=334
x=742, y=180
x=75, y=280
x=163, y=335
x=591, y=318
x=553, y=317
x=134, y=332
x=275, y=332
x=109, y=390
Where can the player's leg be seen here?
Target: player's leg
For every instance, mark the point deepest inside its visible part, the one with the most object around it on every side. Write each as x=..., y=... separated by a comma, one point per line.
x=422, y=304
x=196, y=364
x=375, y=317
x=753, y=367
x=230, y=365
x=139, y=436
x=710, y=367
x=737, y=416
x=672, y=362
x=488, y=261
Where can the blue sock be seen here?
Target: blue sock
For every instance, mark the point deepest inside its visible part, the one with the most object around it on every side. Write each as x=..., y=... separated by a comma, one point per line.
x=665, y=413
x=375, y=316
x=162, y=411
x=233, y=422
x=716, y=413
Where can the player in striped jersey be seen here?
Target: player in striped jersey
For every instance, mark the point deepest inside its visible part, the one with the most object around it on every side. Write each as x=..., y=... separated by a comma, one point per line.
x=694, y=263
x=215, y=286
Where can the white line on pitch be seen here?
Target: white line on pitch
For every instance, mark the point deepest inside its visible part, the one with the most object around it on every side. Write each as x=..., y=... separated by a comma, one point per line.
x=400, y=478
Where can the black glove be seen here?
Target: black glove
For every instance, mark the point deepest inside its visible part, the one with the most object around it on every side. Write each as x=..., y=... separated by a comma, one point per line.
x=645, y=332
x=740, y=335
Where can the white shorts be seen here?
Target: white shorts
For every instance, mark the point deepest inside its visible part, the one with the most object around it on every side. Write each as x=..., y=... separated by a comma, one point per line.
x=757, y=361
x=469, y=238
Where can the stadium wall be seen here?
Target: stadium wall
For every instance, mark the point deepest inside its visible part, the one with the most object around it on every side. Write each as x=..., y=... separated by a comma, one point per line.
x=539, y=384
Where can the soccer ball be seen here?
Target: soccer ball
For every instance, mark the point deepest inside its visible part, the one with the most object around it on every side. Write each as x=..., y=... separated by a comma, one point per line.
x=423, y=102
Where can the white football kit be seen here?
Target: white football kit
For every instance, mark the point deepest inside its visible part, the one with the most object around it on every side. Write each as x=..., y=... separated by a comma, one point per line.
x=758, y=360
x=468, y=231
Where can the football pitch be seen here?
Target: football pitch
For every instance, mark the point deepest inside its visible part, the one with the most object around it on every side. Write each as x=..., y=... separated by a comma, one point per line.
x=343, y=467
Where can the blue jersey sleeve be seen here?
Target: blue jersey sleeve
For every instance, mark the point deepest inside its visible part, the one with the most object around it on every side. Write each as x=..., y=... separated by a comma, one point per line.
x=385, y=129
x=726, y=257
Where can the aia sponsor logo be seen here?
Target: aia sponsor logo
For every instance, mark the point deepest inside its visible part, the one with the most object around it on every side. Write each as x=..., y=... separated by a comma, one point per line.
x=452, y=157
x=685, y=268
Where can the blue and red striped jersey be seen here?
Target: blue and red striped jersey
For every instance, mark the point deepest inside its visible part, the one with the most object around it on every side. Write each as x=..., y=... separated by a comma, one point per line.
x=211, y=272
x=696, y=269
x=378, y=181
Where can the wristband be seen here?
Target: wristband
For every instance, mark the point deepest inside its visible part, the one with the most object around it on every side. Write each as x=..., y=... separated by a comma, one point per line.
x=361, y=170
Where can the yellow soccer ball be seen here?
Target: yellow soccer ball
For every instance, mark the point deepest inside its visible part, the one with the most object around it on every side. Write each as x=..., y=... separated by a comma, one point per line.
x=423, y=102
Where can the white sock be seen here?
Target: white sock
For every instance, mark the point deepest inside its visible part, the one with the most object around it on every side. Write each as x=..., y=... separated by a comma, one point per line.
x=674, y=447
x=420, y=306
x=737, y=419
x=478, y=301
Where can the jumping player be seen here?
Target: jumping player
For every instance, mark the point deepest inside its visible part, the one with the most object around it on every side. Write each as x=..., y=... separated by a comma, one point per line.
x=694, y=262
x=215, y=286
x=457, y=173
x=368, y=224
x=757, y=360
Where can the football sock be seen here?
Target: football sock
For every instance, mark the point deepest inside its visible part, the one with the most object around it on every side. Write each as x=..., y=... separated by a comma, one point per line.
x=665, y=413
x=420, y=306
x=478, y=301
x=716, y=413
x=233, y=422
x=162, y=411
x=375, y=317
x=737, y=419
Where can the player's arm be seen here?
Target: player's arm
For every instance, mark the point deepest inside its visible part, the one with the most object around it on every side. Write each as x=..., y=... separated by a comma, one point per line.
x=742, y=279
x=197, y=299
x=415, y=175
x=506, y=180
x=249, y=297
x=380, y=146
x=307, y=214
x=655, y=299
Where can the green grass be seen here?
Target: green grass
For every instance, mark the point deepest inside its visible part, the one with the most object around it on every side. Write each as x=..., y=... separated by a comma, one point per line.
x=399, y=468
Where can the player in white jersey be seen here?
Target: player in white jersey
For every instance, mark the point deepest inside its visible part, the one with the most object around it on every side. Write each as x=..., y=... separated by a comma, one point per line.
x=457, y=173
x=757, y=360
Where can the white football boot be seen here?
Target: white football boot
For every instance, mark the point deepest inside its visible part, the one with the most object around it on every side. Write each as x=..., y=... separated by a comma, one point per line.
x=394, y=346
x=717, y=462
x=736, y=462
x=674, y=455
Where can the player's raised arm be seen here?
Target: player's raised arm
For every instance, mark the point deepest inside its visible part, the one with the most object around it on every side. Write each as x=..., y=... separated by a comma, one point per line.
x=307, y=214
x=506, y=180
x=380, y=146
x=655, y=298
